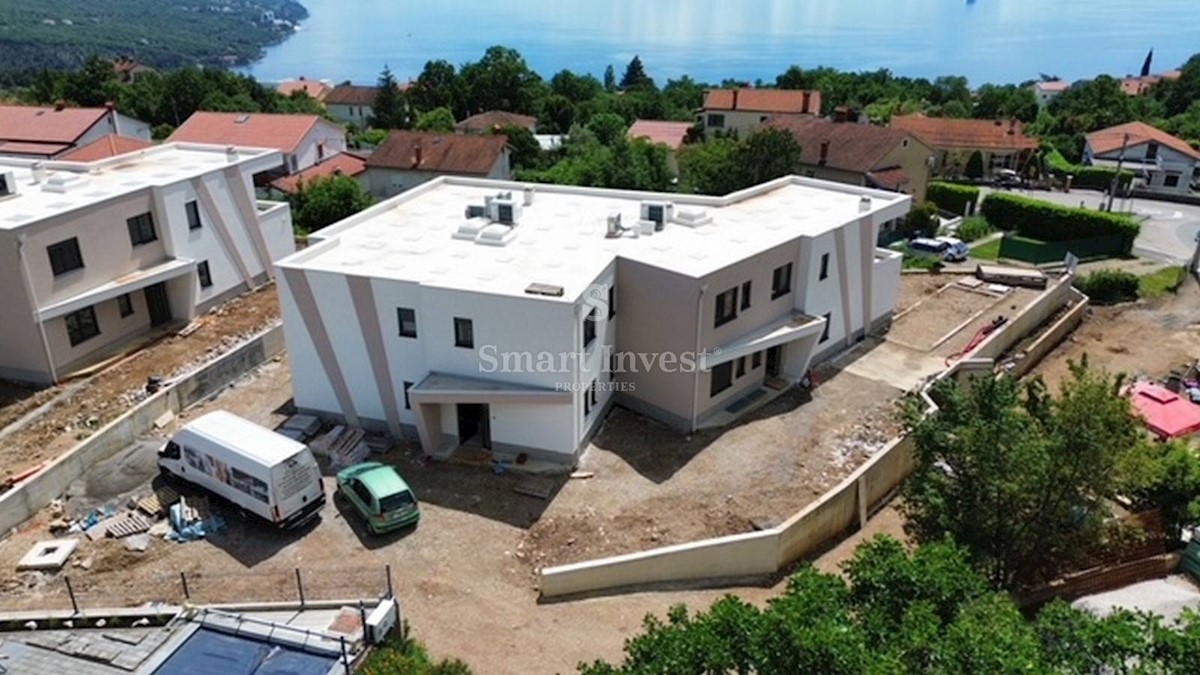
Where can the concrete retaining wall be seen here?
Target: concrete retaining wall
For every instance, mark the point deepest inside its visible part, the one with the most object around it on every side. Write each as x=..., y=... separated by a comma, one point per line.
x=1031, y=316
x=1053, y=335
x=26, y=499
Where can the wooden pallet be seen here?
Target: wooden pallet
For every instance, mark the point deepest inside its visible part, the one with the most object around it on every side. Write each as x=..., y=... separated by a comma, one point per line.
x=157, y=503
x=123, y=526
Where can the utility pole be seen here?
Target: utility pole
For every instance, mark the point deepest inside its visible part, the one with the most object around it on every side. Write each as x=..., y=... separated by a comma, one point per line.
x=1112, y=190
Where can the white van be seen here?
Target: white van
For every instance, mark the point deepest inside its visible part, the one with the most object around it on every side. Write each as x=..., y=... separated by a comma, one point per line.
x=259, y=471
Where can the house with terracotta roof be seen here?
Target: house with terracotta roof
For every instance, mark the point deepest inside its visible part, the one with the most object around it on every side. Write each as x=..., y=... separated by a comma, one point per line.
x=746, y=109
x=1136, y=86
x=304, y=140
x=494, y=120
x=1047, y=91
x=407, y=159
x=105, y=147
x=35, y=132
x=352, y=104
x=128, y=70
x=1163, y=162
x=860, y=154
x=317, y=89
x=1003, y=143
x=342, y=164
x=671, y=134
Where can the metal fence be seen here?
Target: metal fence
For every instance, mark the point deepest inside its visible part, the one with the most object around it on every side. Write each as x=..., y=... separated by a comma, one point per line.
x=78, y=591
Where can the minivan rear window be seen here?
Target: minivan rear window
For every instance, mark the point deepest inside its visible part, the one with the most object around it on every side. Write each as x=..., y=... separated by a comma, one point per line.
x=396, y=502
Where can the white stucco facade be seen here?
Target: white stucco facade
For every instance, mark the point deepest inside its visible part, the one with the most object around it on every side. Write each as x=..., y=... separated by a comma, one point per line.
x=81, y=283
x=554, y=303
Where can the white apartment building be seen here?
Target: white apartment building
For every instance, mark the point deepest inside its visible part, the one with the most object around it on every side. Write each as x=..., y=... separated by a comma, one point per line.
x=94, y=255
x=472, y=312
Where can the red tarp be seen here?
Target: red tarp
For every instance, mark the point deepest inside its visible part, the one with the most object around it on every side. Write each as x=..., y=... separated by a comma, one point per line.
x=1165, y=413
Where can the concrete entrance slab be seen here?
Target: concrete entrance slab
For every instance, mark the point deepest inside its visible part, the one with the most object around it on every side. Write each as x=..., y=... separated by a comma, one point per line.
x=50, y=555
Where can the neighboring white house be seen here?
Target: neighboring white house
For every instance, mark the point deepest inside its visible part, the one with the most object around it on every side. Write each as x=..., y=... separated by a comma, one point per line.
x=1163, y=162
x=1046, y=91
x=46, y=133
x=352, y=104
x=510, y=317
x=303, y=140
x=94, y=255
x=407, y=159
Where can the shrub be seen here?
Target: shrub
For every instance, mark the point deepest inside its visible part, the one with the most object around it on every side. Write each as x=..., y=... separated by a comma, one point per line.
x=922, y=221
x=975, y=227
x=1109, y=286
x=953, y=198
x=1050, y=222
x=974, y=168
x=1091, y=177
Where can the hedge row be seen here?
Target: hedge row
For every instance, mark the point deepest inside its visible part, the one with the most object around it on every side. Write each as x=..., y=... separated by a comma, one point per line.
x=1108, y=286
x=953, y=198
x=1091, y=177
x=1050, y=222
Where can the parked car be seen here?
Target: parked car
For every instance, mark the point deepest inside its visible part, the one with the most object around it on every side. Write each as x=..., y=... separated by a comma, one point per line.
x=260, y=472
x=956, y=250
x=1006, y=178
x=379, y=495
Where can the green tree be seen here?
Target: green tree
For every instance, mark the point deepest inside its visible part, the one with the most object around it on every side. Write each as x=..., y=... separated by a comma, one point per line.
x=501, y=80
x=438, y=119
x=635, y=76
x=610, y=79
x=608, y=128
x=974, y=168
x=1008, y=101
x=682, y=98
x=1019, y=477
x=437, y=86
x=765, y=155
x=390, y=111
x=922, y=220
x=324, y=201
x=709, y=168
x=526, y=151
x=575, y=88
x=719, y=166
x=557, y=114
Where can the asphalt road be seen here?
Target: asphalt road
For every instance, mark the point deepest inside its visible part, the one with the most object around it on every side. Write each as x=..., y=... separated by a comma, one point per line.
x=1169, y=230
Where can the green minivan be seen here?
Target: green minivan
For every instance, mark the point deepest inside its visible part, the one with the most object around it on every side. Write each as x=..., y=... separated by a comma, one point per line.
x=379, y=495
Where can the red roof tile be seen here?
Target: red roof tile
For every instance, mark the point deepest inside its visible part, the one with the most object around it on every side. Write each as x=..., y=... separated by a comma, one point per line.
x=670, y=134
x=255, y=130
x=1110, y=139
x=352, y=94
x=314, y=88
x=889, y=179
x=946, y=132
x=105, y=147
x=343, y=163
x=793, y=101
x=32, y=149
x=440, y=153
x=852, y=147
x=47, y=125
x=1053, y=85
x=492, y=119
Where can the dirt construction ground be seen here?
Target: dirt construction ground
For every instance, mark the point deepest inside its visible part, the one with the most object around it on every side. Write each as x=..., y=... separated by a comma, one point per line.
x=79, y=406
x=1143, y=338
x=466, y=574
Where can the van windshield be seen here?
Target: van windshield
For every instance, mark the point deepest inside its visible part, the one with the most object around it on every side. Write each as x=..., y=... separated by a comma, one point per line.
x=396, y=502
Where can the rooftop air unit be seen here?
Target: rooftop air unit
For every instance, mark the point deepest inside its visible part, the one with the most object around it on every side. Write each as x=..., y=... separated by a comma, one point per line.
x=8, y=184
x=615, y=228
x=658, y=212
x=504, y=209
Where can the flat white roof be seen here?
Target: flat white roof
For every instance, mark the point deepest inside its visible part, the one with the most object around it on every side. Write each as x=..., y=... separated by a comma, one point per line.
x=87, y=183
x=560, y=239
x=249, y=439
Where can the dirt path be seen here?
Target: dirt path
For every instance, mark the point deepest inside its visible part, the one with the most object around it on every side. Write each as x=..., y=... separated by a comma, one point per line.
x=114, y=390
x=1137, y=338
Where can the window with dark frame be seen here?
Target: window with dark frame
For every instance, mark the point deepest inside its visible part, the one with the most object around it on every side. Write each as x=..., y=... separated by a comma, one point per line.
x=205, y=275
x=726, y=307
x=781, y=281
x=125, y=304
x=756, y=360
x=828, y=323
x=589, y=328
x=595, y=389
x=612, y=366
x=824, y=267
x=193, y=214
x=612, y=300
x=141, y=229
x=1171, y=180
x=464, y=333
x=407, y=386
x=1152, y=150
x=746, y=295
x=722, y=378
x=716, y=120
x=407, y=319
x=81, y=325
x=65, y=256
x=741, y=366
x=587, y=404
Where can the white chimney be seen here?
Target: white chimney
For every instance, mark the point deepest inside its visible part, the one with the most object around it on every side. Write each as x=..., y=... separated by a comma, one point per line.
x=614, y=226
x=39, y=172
x=529, y=196
x=231, y=153
x=864, y=204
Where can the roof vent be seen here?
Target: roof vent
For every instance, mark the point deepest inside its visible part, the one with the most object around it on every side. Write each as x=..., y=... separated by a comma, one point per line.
x=615, y=228
x=470, y=229
x=231, y=153
x=62, y=182
x=864, y=204
x=696, y=218
x=658, y=212
x=242, y=119
x=544, y=289
x=8, y=184
x=496, y=234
